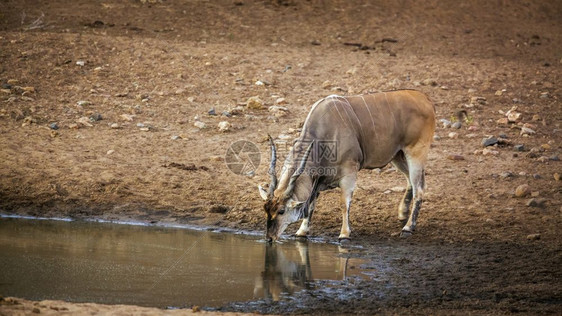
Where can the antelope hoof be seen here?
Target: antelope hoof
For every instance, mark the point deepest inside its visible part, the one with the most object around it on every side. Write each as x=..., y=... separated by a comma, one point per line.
x=405, y=234
x=344, y=240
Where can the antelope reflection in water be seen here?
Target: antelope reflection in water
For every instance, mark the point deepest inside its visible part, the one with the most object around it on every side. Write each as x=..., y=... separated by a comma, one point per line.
x=287, y=271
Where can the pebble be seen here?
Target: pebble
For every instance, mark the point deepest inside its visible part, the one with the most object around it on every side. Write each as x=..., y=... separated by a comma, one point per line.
x=455, y=157
x=536, y=117
x=200, y=125
x=446, y=123
x=53, y=126
x=85, y=121
x=80, y=63
x=522, y=190
x=546, y=146
x=429, y=82
x=175, y=137
x=73, y=126
x=543, y=159
x=490, y=152
x=478, y=100
x=534, y=236
x=127, y=117
x=115, y=126
x=453, y=135
x=109, y=152
x=554, y=158
x=83, y=103
x=398, y=189
x=212, y=112
x=506, y=175
x=280, y=101
x=489, y=141
x=473, y=128
x=513, y=116
x=254, y=103
x=95, y=117
x=456, y=125
x=224, y=126
x=519, y=147
x=502, y=121
x=226, y=113
x=436, y=137
x=556, y=176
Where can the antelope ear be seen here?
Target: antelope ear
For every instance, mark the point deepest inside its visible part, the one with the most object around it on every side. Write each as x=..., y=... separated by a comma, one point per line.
x=295, y=204
x=263, y=193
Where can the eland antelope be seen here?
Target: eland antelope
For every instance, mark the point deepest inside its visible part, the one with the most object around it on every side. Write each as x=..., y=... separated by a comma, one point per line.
x=340, y=136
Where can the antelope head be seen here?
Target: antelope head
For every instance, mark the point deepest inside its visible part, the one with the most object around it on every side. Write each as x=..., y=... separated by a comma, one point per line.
x=282, y=209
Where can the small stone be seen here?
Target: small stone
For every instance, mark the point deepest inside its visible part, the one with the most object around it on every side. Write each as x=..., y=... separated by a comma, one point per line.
x=544, y=95
x=28, y=90
x=95, y=117
x=280, y=101
x=546, y=146
x=490, y=152
x=536, y=176
x=54, y=134
x=109, y=152
x=85, y=121
x=513, y=117
x=73, y=126
x=200, y=125
x=498, y=92
x=478, y=100
x=216, y=158
x=502, y=121
x=473, y=128
x=519, y=147
x=212, y=112
x=536, y=117
x=489, y=141
x=398, y=189
x=115, y=126
x=13, y=82
x=506, y=175
x=191, y=99
x=144, y=129
x=436, y=137
x=53, y=126
x=429, y=82
x=254, y=103
x=556, y=176
x=554, y=158
x=126, y=117
x=175, y=137
x=535, y=194
x=456, y=125
x=453, y=135
x=522, y=190
x=224, y=126
x=83, y=103
x=446, y=123
x=455, y=157
x=80, y=63
x=226, y=113
x=534, y=236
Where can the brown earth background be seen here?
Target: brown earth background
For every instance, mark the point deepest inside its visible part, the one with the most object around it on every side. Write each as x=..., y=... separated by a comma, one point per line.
x=152, y=70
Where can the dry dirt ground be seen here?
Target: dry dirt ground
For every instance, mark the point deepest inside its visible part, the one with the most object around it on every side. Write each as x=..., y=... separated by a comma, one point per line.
x=151, y=71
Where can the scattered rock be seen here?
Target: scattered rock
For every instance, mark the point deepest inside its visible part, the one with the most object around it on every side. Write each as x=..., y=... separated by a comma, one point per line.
x=446, y=123
x=429, y=82
x=554, y=158
x=175, y=137
x=53, y=126
x=54, y=134
x=489, y=141
x=546, y=146
x=398, y=189
x=200, y=125
x=95, y=117
x=453, y=135
x=478, y=100
x=490, y=152
x=73, y=126
x=254, y=103
x=502, y=121
x=85, y=121
x=536, y=117
x=280, y=101
x=543, y=159
x=456, y=125
x=506, y=175
x=224, y=126
x=556, y=176
x=522, y=190
x=513, y=117
x=519, y=147
x=109, y=152
x=226, y=113
x=83, y=103
x=115, y=126
x=278, y=111
x=80, y=63
x=436, y=137
x=212, y=112
x=534, y=236
x=126, y=117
